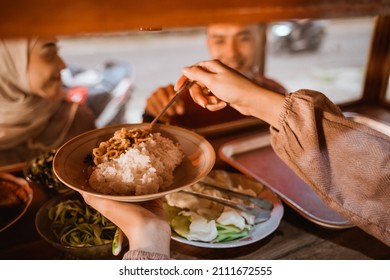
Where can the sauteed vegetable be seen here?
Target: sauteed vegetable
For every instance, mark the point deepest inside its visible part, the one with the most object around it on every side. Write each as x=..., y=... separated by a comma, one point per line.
x=40, y=171
x=78, y=225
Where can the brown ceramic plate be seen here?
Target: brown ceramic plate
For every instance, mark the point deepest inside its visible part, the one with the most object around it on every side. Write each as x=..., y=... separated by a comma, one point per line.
x=70, y=168
x=15, y=198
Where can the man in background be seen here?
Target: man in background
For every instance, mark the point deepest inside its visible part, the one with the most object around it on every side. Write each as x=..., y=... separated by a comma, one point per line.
x=236, y=45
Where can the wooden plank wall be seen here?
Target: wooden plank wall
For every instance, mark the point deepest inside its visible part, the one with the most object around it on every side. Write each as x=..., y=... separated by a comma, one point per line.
x=51, y=17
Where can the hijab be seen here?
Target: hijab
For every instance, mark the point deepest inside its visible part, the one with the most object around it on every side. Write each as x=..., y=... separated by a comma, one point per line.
x=24, y=116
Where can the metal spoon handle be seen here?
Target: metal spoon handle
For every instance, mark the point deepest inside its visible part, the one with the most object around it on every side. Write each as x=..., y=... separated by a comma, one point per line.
x=261, y=215
x=260, y=202
x=173, y=99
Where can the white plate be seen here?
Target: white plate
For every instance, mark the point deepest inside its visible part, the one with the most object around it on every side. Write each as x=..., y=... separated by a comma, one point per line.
x=258, y=232
x=70, y=169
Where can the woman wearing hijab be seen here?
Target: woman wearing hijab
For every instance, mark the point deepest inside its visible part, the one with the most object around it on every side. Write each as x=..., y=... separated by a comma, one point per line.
x=34, y=115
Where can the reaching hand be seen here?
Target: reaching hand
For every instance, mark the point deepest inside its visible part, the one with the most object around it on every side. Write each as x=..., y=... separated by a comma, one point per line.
x=157, y=101
x=144, y=223
x=218, y=85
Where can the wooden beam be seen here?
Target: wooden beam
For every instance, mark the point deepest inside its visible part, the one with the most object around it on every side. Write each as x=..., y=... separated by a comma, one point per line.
x=378, y=67
x=50, y=17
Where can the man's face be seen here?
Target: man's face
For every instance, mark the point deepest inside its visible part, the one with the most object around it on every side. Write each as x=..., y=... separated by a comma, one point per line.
x=234, y=44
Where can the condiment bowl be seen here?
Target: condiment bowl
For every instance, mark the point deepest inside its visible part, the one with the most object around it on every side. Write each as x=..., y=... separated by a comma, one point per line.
x=44, y=227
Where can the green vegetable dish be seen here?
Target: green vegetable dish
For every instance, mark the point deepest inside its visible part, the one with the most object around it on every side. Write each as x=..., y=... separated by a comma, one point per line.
x=198, y=219
x=195, y=227
x=78, y=225
x=40, y=171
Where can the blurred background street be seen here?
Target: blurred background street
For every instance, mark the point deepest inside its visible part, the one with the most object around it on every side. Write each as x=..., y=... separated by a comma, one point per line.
x=156, y=58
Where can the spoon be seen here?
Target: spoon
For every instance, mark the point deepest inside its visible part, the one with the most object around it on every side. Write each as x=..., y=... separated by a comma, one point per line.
x=261, y=215
x=187, y=84
x=260, y=202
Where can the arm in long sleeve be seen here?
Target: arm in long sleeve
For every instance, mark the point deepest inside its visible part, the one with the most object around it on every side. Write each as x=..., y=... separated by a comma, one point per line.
x=346, y=163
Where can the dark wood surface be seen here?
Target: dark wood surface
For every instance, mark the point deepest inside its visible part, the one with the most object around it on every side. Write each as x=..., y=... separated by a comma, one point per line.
x=295, y=238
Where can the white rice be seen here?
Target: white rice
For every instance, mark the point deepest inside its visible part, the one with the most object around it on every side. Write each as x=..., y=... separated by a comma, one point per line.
x=144, y=169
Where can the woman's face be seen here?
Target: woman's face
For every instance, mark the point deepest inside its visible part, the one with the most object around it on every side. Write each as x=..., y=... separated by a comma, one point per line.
x=234, y=44
x=44, y=68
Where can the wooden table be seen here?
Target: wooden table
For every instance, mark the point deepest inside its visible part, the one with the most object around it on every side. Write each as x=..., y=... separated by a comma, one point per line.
x=295, y=238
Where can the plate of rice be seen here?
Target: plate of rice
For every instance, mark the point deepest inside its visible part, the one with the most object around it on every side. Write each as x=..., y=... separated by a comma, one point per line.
x=129, y=163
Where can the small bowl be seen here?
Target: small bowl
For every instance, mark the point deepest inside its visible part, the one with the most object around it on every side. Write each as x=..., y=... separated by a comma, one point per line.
x=43, y=226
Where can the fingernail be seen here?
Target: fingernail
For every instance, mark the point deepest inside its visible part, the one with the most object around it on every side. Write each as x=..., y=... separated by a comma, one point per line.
x=202, y=103
x=212, y=100
x=186, y=69
x=180, y=110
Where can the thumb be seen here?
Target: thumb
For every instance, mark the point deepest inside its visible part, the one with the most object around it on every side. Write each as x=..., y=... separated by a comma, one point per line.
x=180, y=108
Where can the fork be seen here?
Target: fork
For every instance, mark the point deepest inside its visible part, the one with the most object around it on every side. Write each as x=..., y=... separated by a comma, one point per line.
x=261, y=215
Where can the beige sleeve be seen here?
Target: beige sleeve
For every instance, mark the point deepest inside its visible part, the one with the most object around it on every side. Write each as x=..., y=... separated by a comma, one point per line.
x=143, y=255
x=346, y=163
